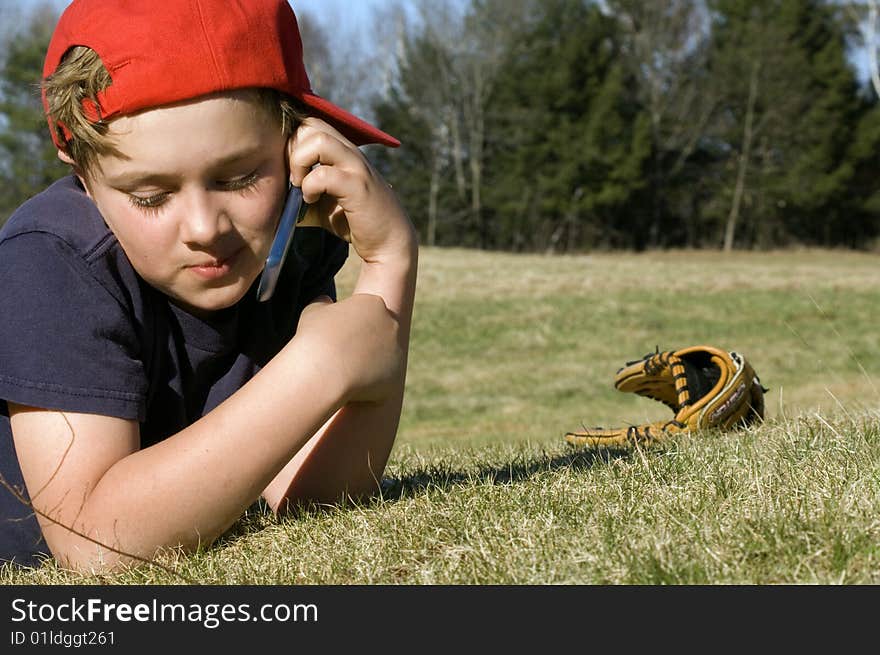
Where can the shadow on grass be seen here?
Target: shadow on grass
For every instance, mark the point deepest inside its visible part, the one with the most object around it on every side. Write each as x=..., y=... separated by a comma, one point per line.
x=436, y=477
x=430, y=478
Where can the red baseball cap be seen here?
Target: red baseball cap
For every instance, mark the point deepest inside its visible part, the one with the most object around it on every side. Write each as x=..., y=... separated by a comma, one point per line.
x=158, y=53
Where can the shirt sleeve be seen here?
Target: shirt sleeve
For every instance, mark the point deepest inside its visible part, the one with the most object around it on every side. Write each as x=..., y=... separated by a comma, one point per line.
x=67, y=341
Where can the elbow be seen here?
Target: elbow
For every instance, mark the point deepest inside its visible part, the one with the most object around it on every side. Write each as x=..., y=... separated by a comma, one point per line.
x=94, y=559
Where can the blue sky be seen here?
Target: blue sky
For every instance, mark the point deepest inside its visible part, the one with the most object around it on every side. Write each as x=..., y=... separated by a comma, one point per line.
x=348, y=12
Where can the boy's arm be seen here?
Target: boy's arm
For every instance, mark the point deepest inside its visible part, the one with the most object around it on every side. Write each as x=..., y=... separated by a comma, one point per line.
x=348, y=454
x=86, y=471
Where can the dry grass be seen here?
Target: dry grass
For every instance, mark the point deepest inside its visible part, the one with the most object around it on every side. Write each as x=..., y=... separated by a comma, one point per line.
x=510, y=351
x=526, y=346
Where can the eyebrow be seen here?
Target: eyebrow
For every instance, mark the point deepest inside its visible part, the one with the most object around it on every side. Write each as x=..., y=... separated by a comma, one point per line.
x=134, y=178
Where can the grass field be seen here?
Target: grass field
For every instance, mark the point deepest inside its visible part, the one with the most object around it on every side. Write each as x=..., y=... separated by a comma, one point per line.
x=511, y=351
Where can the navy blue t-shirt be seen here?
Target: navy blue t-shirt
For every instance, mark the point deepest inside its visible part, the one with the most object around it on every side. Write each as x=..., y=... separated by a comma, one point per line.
x=81, y=331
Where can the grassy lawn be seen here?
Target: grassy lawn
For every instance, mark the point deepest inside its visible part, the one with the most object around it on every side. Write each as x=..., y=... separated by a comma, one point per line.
x=511, y=351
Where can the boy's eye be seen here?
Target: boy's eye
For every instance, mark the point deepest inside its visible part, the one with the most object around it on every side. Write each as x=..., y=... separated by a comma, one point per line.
x=238, y=183
x=148, y=202
x=155, y=201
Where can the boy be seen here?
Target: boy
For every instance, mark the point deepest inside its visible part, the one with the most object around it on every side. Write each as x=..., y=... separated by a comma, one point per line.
x=147, y=397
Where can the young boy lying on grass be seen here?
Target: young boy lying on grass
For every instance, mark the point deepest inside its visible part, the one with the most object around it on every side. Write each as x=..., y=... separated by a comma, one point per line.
x=147, y=396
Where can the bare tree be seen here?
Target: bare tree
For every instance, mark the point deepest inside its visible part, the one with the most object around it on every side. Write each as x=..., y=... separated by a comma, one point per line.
x=666, y=47
x=424, y=76
x=865, y=15
x=28, y=158
x=316, y=53
x=350, y=64
x=743, y=158
x=452, y=59
x=870, y=31
x=476, y=44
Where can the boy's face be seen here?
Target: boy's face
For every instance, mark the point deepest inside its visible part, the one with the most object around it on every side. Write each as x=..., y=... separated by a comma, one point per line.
x=195, y=202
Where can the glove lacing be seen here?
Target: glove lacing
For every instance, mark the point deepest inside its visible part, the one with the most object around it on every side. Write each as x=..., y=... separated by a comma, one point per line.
x=655, y=363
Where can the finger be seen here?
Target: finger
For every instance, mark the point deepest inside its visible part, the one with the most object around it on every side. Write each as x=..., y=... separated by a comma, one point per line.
x=313, y=123
x=338, y=186
x=310, y=148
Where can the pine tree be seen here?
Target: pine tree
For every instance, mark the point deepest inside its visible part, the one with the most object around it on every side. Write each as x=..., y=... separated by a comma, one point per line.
x=785, y=123
x=570, y=143
x=28, y=159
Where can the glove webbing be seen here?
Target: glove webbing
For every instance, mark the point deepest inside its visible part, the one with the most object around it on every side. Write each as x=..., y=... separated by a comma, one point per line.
x=656, y=362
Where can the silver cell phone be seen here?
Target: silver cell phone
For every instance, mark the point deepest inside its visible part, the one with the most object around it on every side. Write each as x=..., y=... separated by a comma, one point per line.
x=293, y=212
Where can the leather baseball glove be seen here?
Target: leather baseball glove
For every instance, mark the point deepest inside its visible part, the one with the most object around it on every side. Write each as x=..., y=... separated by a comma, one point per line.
x=704, y=386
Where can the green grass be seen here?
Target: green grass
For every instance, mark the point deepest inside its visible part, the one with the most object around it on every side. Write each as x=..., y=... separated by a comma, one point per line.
x=510, y=351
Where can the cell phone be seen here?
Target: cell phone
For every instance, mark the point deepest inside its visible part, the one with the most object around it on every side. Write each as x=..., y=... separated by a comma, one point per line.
x=294, y=211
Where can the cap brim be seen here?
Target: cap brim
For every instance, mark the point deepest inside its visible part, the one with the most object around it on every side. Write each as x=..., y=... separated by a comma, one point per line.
x=353, y=128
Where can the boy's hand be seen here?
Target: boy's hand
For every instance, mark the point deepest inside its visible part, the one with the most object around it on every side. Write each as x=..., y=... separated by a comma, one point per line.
x=347, y=195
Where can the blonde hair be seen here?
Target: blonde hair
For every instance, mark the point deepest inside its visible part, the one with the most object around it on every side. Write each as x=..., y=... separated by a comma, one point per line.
x=81, y=76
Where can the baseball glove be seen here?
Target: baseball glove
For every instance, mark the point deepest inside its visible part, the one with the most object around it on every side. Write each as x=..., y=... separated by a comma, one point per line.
x=705, y=387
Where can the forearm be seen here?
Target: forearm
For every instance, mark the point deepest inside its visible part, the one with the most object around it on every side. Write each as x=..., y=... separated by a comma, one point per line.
x=344, y=460
x=347, y=455
x=188, y=489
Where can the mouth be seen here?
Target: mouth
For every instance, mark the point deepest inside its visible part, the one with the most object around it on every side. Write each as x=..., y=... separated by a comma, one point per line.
x=215, y=267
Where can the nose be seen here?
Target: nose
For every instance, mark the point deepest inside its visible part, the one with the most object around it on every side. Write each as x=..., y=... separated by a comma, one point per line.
x=205, y=219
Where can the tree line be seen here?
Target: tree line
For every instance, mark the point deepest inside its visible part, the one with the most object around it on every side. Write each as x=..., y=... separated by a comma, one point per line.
x=576, y=125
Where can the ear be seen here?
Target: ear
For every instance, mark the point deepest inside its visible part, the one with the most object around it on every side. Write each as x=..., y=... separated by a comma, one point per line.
x=63, y=156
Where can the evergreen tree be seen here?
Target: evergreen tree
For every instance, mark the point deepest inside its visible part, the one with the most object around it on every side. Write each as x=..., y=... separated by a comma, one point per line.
x=664, y=49
x=858, y=223
x=571, y=124
x=820, y=180
x=569, y=142
x=28, y=158
x=785, y=123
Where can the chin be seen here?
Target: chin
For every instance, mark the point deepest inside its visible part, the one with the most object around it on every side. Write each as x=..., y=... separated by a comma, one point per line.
x=212, y=302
